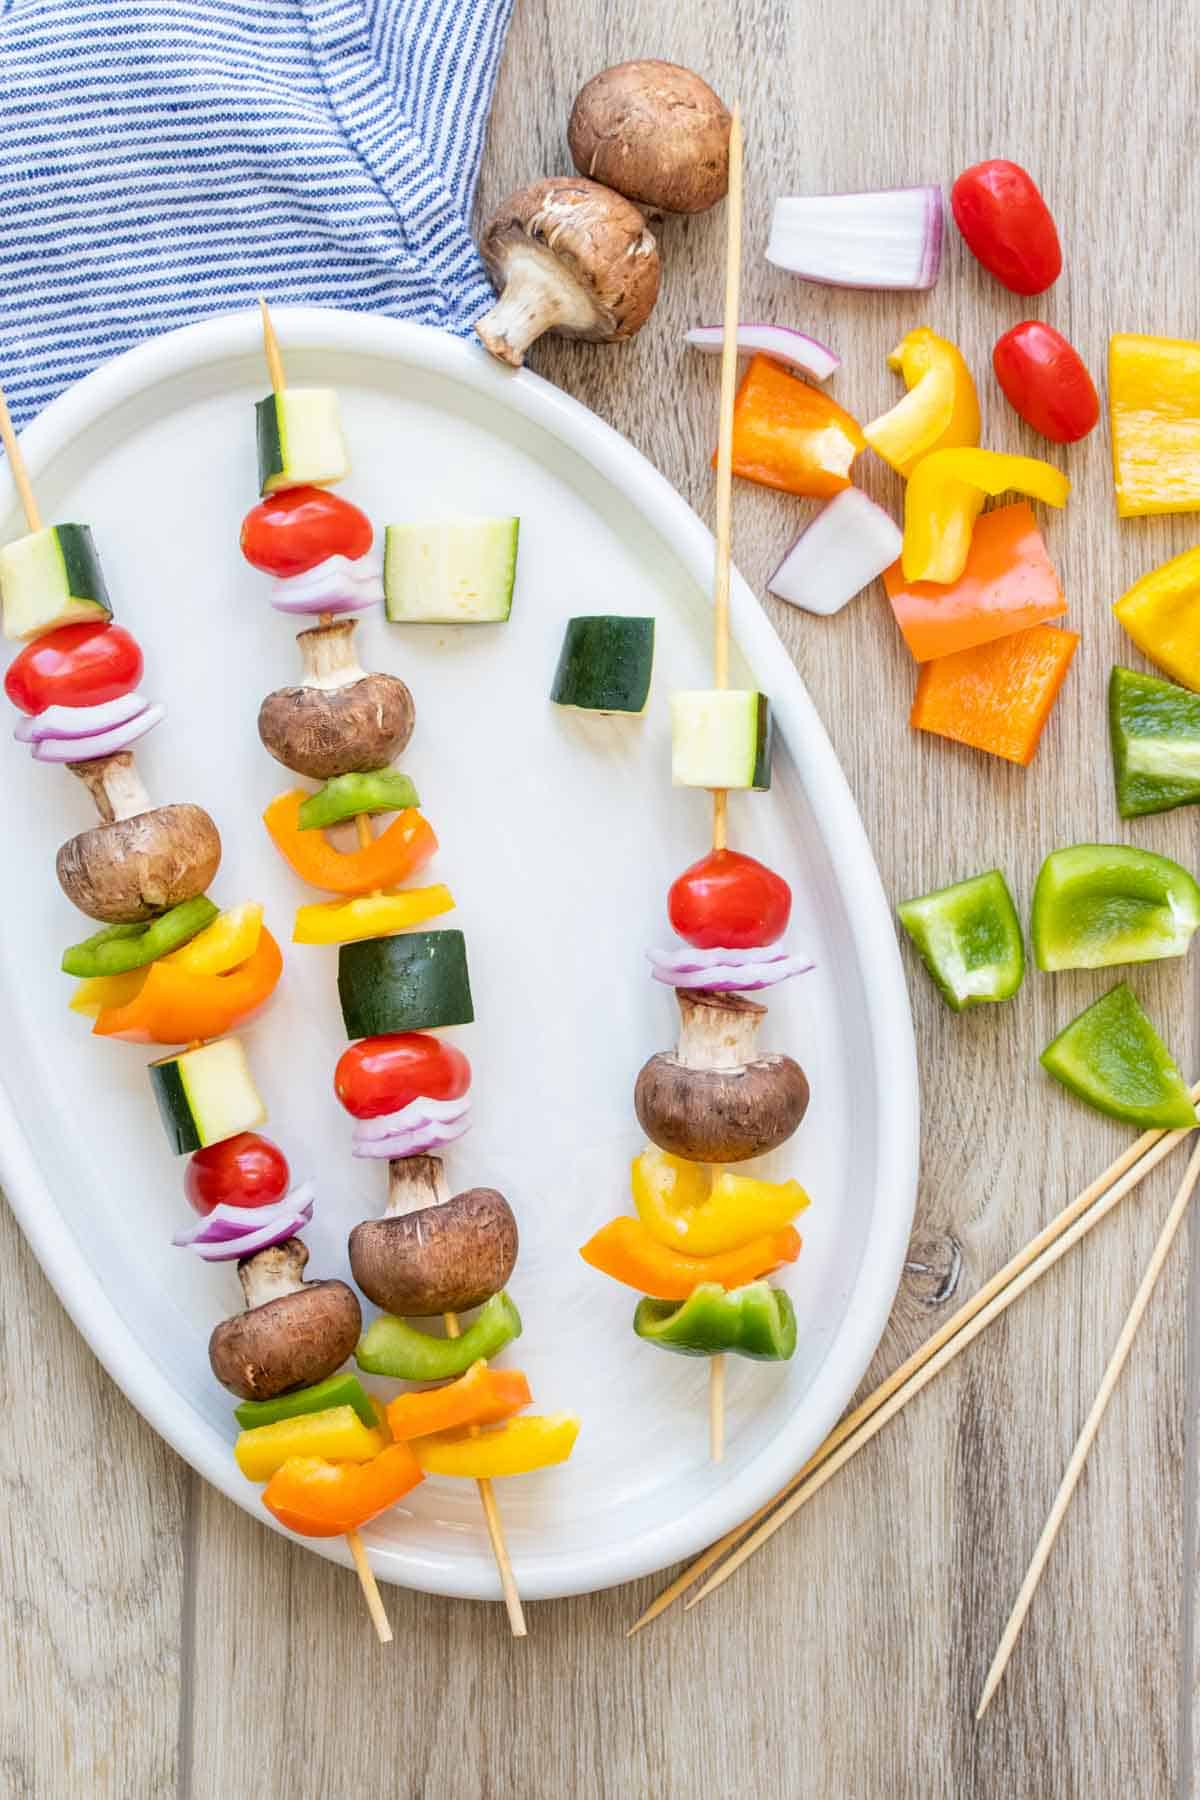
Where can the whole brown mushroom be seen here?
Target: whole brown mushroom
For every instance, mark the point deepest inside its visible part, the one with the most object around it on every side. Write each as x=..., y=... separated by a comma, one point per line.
x=567, y=256
x=654, y=132
x=293, y=1333
x=431, y=1253
x=716, y=1099
x=339, y=719
x=128, y=869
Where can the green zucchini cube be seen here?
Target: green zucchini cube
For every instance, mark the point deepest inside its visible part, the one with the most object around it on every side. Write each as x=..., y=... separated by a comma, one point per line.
x=206, y=1095
x=300, y=440
x=458, y=572
x=721, y=738
x=51, y=578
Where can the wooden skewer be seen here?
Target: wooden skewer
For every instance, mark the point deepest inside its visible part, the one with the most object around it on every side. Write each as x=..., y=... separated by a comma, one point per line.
x=1121, y=1176
x=733, y=268
x=371, y=1594
x=17, y=469
x=271, y=348
x=1079, y=1455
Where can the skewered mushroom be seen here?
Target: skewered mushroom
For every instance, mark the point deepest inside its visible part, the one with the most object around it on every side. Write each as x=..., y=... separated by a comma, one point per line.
x=566, y=256
x=340, y=720
x=431, y=1253
x=293, y=1333
x=128, y=869
x=715, y=1098
x=654, y=132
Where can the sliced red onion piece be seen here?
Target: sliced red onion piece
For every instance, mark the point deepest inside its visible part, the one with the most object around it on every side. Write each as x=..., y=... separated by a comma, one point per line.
x=234, y=1231
x=683, y=958
x=337, y=585
x=417, y=1113
x=417, y=1142
x=100, y=743
x=795, y=348
x=726, y=978
x=888, y=239
x=849, y=543
x=79, y=721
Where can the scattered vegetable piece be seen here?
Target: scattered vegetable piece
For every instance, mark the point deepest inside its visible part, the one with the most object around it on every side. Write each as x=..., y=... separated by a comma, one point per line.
x=687, y=1207
x=246, y=1170
x=888, y=239
x=1154, y=406
x=370, y=915
x=379, y=1076
x=173, y=1006
x=1112, y=1057
x=392, y=1347
x=945, y=495
x=969, y=938
x=342, y=1389
x=789, y=435
x=849, y=543
x=517, y=1448
x=795, y=349
x=406, y=846
x=1096, y=905
x=729, y=901
x=324, y=1499
x=454, y=572
x=1155, y=729
x=605, y=664
x=1161, y=613
x=1007, y=225
x=50, y=579
x=626, y=1251
x=118, y=948
x=655, y=132
x=721, y=738
x=482, y=1396
x=757, y=1321
x=300, y=442
x=940, y=411
x=996, y=697
x=336, y=1434
x=1008, y=585
x=1045, y=380
x=206, y=1094
x=346, y=796
x=411, y=983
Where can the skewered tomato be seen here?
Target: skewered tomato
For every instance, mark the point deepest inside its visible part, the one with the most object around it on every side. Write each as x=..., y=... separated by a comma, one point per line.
x=1044, y=378
x=379, y=1075
x=287, y=533
x=729, y=901
x=1007, y=225
x=77, y=665
x=246, y=1170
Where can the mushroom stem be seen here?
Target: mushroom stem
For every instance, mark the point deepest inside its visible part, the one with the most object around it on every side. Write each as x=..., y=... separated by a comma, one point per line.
x=717, y=1031
x=114, y=784
x=415, y=1182
x=538, y=295
x=328, y=655
x=273, y=1272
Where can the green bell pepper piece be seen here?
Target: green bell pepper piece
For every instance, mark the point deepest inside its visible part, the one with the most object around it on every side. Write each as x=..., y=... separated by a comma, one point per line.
x=345, y=796
x=119, y=948
x=391, y=1347
x=1099, y=904
x=757, y=1320
x=969, y=938
x=1112, y=1057
x=1155, y=730
x=343, y=1389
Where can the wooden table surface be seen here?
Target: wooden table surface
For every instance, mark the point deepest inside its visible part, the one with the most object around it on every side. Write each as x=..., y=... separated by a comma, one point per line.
x=155, y=1640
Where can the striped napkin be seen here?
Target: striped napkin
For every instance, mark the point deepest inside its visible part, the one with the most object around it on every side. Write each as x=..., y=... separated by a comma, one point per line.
x=162, y=160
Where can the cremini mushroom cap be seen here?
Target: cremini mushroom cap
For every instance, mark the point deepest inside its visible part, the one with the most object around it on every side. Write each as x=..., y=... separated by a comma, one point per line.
x=444, y=1258
x=129, y=869
x=655, y=132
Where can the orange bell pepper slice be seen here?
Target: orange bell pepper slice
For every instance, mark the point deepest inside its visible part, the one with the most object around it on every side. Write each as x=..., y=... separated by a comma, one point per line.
x=406, y=845
x=482, y=1396
x=173, y=1006
x=1008, y=585
x=625, y=1250
x=998, y=696
x=791, y=436
x=316, y=1498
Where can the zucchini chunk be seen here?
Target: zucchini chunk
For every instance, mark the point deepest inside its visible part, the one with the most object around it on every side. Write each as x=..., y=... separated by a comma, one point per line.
x=51, y=578
x=721, y=738
x=206, y=1095
x=412, y=982
x=605, y=665
x=300, y=440
x=460, y=572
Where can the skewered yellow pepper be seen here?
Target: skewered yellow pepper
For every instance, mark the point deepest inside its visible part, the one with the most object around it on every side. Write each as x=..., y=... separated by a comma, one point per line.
x=1161, y=613
x=370, y=916
x=1154, y=405
x=945, y=496
x=684, y=1205
x=336, y=1435
x=534, y=1442
x=940, y=410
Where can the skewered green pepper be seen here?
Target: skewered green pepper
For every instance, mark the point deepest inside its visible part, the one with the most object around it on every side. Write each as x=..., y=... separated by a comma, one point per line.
x=757, y=1320
x=118, y=948
x=345, y=796
x=343, y=1389
x=391, y=1347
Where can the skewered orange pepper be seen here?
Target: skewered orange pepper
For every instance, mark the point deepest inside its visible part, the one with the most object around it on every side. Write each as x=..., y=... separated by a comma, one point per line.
x=406, y=845
x=789, y=435
x=327, y=1499
x=482, y=1396
x=173, y=1006
x=625, y=1250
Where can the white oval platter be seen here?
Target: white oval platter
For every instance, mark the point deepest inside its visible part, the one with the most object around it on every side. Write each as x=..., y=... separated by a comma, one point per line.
x=559, y=837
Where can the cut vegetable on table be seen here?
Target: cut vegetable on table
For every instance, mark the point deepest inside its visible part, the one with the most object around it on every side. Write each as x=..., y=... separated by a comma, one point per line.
x=1112, y=1058
x=846, y=547
x=795, y=349
x=1155, y=731
x=789, y=435
x=1007, y=585
x=940, y=411
x=1154, y=410
x=969, y=938
x=887, y=239
x=997, y=696
x=1161, y=613
x=1045, y=380
x=1007, y=225
x=945, y=496
x=1097, y=905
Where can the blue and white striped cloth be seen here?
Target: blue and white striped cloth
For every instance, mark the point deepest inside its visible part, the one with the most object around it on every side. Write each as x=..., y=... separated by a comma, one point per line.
x=161, y=160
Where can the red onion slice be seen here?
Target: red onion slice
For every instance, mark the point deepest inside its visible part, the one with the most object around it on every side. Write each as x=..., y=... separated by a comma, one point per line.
x=79, y=721
x=100, y=743
x=337, y=585
x=849, y=543
x=726, y=971
x=888, y=239
x=235, y=1231
x=416, y=1114
x=417, y=1142
x=795, y=348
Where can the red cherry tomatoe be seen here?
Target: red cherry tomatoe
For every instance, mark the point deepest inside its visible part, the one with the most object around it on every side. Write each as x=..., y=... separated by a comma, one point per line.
x=77, y=665
x=246, y=1170
x=1007, y=225
x=287, y=533
x=379, y=1075
x=729, y=901
x=1045, y=379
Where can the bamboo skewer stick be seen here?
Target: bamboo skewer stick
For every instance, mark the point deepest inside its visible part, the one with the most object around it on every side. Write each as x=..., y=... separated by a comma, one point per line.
x=1079, y=1455
x=1122, y=1175
x=733, y=268
x=271, y=350
x=17, y=469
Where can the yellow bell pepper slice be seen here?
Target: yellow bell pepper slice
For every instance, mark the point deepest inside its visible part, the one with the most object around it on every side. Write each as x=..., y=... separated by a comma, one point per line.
x=98, y=991
x=945, y=496
x=232, y=938
x=370, y=916
x=1154, y=406
x=1161, y=613
x=685, y=1206
x=940, y=410
x=535, y=1442
x=337, y=1435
